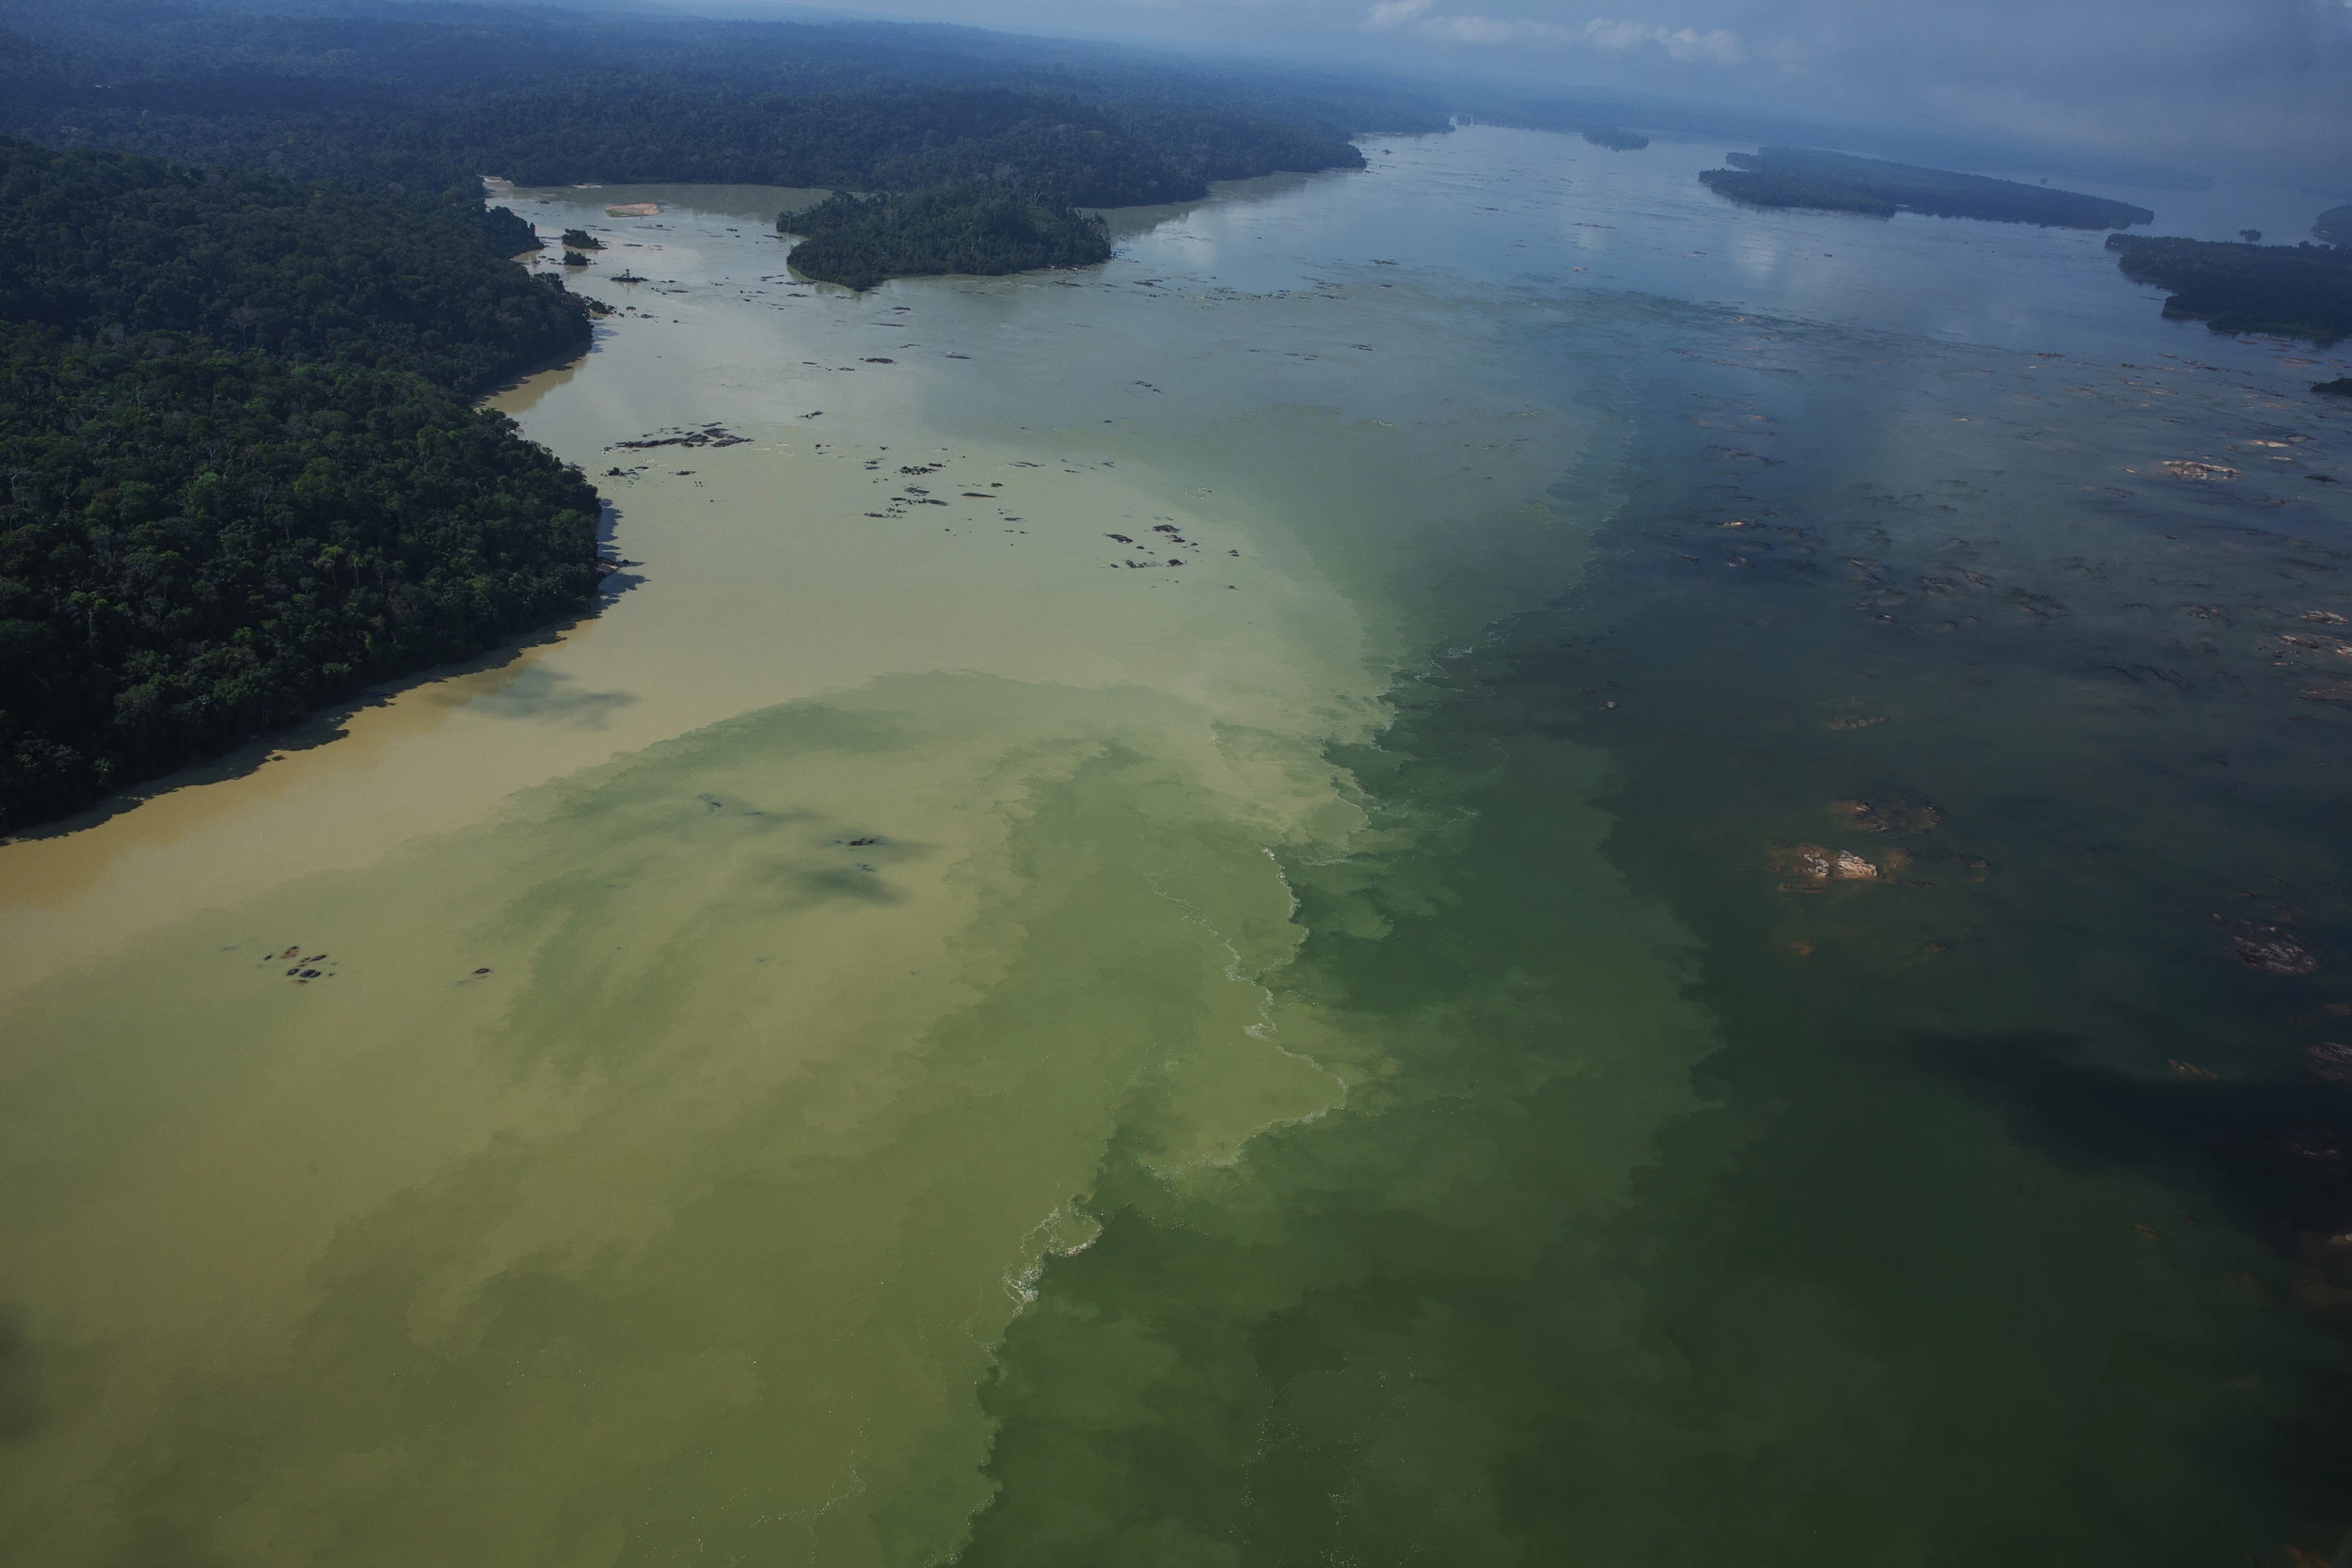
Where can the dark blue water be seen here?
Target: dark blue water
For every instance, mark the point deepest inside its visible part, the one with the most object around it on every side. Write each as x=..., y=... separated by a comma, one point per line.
x=1993, y=774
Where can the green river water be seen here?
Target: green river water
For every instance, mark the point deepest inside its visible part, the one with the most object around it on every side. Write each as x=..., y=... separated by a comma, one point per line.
x=1478, y=863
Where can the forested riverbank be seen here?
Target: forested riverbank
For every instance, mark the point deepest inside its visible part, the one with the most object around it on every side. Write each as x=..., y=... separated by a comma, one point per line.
x=244, y=474
x=2301, y=291
x=429, y=101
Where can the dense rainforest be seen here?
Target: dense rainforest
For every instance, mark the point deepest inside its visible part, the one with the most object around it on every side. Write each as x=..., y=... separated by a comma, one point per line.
x=978, y=227
x=422, y=101
x=428, y=98
x=244, y=473
x=1840, y=183
x=2297, y=291
x=624, y=127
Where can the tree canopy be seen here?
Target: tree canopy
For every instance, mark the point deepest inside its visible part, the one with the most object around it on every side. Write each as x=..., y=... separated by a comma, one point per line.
x=1839, y=182
x=977, y=227
x=2297, y=290
x=426, y=99
x=242, y=473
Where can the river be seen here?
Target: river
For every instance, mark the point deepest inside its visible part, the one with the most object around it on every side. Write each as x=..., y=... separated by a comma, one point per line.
x=1481, y=862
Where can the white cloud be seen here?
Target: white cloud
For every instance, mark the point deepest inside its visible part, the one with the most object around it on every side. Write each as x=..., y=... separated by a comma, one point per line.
x=1488, y=29
x=1682, y=43
x=1716, y=46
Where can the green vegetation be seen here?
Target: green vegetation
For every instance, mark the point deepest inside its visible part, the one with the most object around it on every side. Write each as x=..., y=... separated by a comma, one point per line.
x=421, y=100
x=625, y=131
x=2334, y=226
x=1840, y=182
x=242, y=473
x=977, y=227
x=243, y=477
x=580, y=239
x=91, y=241
x=2299, y=291
x=504, y=234
x=1616, y=141
x=628, y=128
x=427, y=97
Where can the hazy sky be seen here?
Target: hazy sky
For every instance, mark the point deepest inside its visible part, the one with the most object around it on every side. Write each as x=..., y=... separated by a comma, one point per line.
x=2178, y=79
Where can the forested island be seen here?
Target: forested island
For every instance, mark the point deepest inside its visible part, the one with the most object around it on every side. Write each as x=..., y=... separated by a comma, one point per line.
x=1616, y=141
x=981, y=226
x=1841, y=183
x=2334, y=226
x=245, y=475
x=2296, y=291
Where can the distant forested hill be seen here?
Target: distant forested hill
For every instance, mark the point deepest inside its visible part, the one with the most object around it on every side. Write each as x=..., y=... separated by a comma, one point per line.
x=1839, y=182
x=2297, y=290
x=896, y=138
x=427, y=98
x=242, y=473
x=978, y=227
x=620, y=128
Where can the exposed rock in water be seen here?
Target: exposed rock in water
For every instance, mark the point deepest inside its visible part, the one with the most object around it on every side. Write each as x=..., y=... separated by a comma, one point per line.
x=708, y=436
x=2269, y=949
x=1818, y=863
x=2329, y=1062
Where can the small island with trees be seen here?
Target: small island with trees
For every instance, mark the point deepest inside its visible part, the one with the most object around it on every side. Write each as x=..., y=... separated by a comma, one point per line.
x=978, y=226
x=1841, y=183
x=1616, y=141
x=2296, y=291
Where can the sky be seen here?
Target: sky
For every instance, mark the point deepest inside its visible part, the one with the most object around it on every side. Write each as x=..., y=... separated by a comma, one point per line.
x=2195, y=83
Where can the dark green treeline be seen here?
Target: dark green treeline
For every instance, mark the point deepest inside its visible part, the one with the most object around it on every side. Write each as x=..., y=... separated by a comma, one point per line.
x=242, y=473
x=1839, y=182
x=2301, y=290
x=978, y=227
x=428, y=100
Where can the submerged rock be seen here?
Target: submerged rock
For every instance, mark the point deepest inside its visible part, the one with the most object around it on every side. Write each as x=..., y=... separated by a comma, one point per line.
x=1888, y=818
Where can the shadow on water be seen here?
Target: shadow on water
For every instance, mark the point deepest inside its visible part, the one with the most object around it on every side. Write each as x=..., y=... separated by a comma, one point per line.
x=2273, y=1155
x=2268, y=1158
x=20, y=1412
